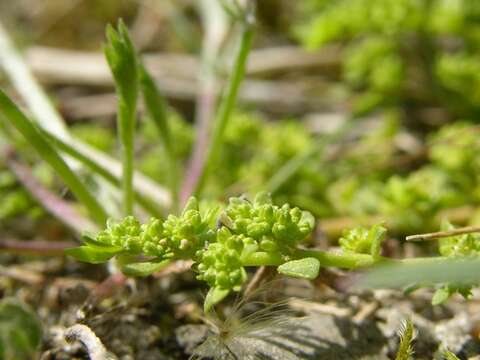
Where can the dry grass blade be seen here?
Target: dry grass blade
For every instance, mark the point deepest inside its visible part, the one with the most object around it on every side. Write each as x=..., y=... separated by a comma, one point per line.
x=443, y=234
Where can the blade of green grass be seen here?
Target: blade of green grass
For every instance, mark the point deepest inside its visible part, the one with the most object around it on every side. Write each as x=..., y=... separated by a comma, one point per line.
x=448, y=355
x=157, y=109
x=100, y=170
x=422, y=271
x=122, y=59
x=25, y=83
x=11, y=113
x=45, y=115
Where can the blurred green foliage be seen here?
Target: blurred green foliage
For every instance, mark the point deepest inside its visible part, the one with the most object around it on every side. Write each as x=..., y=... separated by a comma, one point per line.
x=408, y=53
x=20, y=331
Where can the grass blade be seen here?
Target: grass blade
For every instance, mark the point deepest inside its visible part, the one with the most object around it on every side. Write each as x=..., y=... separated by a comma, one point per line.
x=448, y=355
x=11, y=113
x=45, y=115
x=99, y=169
x=25, y=83
x=422, y=271
x=157, y=109
x=122, y=60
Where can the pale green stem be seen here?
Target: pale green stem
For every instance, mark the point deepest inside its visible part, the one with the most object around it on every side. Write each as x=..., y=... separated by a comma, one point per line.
x=126, y=123
x=342, y=260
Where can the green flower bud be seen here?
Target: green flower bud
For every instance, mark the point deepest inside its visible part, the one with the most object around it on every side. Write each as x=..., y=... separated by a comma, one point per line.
x=363, y=241
x=125, y=234
x=220, y=263
x=458, y=245
x=284, y=226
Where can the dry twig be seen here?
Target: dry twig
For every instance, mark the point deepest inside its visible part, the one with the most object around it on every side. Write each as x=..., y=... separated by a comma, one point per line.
x=443, y=234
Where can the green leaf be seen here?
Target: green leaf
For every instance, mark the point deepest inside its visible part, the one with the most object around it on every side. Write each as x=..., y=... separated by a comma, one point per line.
x=458, y=275
x=192, y=204
x=306, y=268
x=377, y=235
x=20, y=330
x=122, y=59
x=97, y=168
x=440, y=296
x=214, y=296
x=12, y=114
x=93, y=254
x=448, y=355
x=144, y=268
x=157, y=109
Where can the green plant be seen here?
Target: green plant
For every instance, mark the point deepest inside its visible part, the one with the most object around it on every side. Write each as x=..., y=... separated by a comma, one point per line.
x=254, y=233
x=122, y=60
x=224, y=240
x=399, y=52
x=20, y=330
x=406, y=333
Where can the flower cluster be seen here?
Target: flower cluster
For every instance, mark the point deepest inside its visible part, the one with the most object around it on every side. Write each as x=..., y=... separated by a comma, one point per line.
x=275, y=229
x=363, y=241
x=249, y=233
x=179, y=236
x=220, y=265
x=126, y=234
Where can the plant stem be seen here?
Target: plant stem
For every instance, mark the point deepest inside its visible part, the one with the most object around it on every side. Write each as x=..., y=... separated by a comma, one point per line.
x=148, y=202
x=227, y=104
x=35, y=248
x=215, y=22
x=126, y=123
x=263, y=259
x=157, y=109
x=341, y=260
x=327, y=259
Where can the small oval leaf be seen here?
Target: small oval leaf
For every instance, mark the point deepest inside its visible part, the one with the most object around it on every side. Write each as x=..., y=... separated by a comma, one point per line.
x=306, y=268
x=144, y=268
x=214, y=296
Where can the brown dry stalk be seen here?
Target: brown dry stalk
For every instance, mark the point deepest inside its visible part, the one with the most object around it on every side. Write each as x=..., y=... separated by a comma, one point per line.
x=445, y=233
x=40, y=248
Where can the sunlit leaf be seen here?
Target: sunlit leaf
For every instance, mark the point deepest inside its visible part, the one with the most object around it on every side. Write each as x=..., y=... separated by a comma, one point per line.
x=307, y=268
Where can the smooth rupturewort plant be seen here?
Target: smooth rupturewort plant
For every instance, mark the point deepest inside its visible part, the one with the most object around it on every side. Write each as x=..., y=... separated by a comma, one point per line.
x=221, y=243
